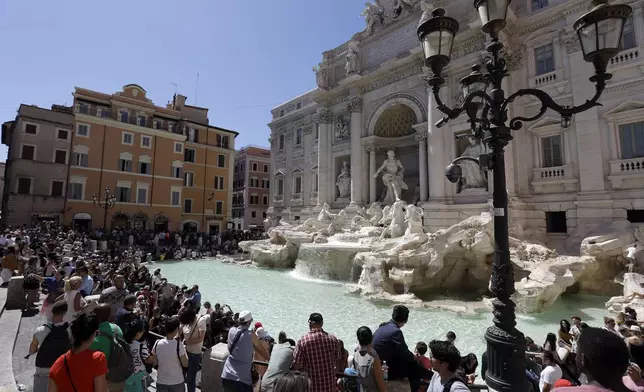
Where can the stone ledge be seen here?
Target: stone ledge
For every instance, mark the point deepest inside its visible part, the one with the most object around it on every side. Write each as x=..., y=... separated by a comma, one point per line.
x=9, y=324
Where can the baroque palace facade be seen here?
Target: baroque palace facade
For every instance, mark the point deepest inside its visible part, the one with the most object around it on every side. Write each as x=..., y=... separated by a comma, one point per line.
x=372, y=97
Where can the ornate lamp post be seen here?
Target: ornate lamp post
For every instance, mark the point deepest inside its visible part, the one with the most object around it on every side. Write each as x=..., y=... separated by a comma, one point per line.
x=600, y=32
x=108, y=203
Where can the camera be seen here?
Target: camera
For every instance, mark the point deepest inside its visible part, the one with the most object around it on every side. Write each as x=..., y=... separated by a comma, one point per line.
x=453, y=172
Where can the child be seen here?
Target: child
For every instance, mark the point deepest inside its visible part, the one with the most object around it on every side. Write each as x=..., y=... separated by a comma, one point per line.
x=421, y=350
x=140, y=356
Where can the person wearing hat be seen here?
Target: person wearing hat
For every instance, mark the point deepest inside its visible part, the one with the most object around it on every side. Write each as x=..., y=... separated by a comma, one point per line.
x=635, y=344
x=317, y=354
x=242, y=345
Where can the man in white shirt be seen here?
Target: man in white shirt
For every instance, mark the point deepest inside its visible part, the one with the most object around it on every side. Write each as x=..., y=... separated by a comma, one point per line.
x=630, y=256
x=445, y=361
x=550, y=374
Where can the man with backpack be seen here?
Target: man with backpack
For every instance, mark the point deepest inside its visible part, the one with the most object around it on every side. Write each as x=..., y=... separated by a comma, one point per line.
x=50, y=341
x=109, y=341
x=445, y=361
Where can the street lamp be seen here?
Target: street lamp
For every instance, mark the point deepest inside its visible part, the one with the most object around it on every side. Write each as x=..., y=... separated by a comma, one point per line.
x=108, y=203
x=599, y=32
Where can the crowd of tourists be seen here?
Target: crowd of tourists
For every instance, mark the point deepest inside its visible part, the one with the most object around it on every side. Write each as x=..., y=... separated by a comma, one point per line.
x=112, y=323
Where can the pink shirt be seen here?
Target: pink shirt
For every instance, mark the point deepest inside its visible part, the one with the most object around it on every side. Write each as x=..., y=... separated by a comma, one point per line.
x=630, y=384
x=582, y=388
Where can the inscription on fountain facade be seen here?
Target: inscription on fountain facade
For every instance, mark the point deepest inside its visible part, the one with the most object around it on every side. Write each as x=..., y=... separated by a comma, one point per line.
x=392, y=45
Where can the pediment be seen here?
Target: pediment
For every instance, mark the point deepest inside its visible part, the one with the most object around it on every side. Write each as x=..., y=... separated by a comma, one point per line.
x=625, y=107
x=546, y=122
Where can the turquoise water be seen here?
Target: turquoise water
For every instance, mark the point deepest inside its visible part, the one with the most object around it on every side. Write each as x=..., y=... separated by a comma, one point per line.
x=282, y=301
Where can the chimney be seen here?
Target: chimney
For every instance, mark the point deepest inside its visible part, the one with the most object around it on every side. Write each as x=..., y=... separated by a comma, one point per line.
x=179, y=102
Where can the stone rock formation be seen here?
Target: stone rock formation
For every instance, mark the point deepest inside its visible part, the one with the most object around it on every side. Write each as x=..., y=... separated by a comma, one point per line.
x=388, y=255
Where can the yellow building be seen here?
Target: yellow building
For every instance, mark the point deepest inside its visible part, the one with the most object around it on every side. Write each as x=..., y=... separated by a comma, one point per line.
x=166, y=166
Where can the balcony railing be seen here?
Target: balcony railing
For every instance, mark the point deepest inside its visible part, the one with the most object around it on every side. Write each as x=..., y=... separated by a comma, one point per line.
x=628, y=56
x=554, y=77
x=627, y=173
x=554, y=179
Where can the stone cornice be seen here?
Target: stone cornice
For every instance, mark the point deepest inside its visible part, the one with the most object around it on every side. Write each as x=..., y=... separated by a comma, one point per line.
x=548, y=16
x=624, y=85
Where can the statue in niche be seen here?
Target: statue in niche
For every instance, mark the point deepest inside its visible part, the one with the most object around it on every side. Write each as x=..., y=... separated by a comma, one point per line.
x=473, y=177
x=392, y=178
x=343, y=183
x=321, y=74
x=353, y=52
x=373, y=14
x=342, y=131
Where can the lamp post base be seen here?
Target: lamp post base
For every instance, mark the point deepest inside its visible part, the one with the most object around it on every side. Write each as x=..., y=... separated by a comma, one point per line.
x=506, y=360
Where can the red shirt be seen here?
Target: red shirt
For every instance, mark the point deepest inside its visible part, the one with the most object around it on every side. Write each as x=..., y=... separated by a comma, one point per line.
x=427, y=364
x=83, y=367
x=317, y=353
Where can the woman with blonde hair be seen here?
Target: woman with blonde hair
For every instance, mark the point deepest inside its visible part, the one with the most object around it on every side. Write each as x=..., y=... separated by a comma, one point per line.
x=73, y=297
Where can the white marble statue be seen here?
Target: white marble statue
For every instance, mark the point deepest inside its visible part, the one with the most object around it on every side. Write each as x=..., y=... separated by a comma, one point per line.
x=338, y=223
x=473, y=177
x=397, y=226
x=321, y=75
x=375, y=213
x=373, y=14
x=342, y=131
x=426, y=7
x=343, y=183
x=403, y=4
x=414, y=220
x=353, y=51
x=392, y=178
x=325, y=215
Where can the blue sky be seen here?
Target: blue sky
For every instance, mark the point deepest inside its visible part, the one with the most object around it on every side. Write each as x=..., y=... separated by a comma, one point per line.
x=250, y=54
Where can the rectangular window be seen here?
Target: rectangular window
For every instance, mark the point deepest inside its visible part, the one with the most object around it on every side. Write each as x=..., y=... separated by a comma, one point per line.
x=31, y=129
x=189, y=179
x=539, y=4
x=265, y=168
x=265, y=200
x=24, y=186
x=178, y=148
x=145, y=168
x=628, y=35
x=103, y=112
x=128, y=138
x=253, y=214
x=254, y=166
x=544, y=59
x=28, y=152
x=80, y=159
x=282, y=113
x=158, y=124
x=317, y=131
x=552, y=151
x=60, y=156
x=76, y=191
x=281, y=142
x=298, y=106
x=219, y=207
x=57, y=188
x=177, y=172
x=146, y=141
x=556, y=222
x=635, y=216
x=123, y=194
x=219, y=182
x=631, y=138
x=176, y=198
x=315, y=182
x=83, y=108
x=123, y=116
x=142, y=195
x=264, y=215
x=192, y=135
x=82, y=130
x=125, y=165
x=224, y=142
x=190, y=155
x=298, y=136
x=62, y=134
x=187, y=206
x=254, y=199
x=298, y=184
x=280, y=187
x=142, y=121
x=221, y=161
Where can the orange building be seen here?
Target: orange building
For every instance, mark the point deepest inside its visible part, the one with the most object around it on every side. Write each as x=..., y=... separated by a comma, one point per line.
x=166, y=166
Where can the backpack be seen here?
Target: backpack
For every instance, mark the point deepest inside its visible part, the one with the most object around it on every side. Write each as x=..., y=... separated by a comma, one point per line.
x=448, y=385
x=55, y=344
x=120, y=365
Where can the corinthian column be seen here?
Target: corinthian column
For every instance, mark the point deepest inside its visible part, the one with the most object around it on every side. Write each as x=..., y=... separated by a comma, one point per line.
x=355, y=108
x=372, y=173
x=421, y=138
x=324, y=117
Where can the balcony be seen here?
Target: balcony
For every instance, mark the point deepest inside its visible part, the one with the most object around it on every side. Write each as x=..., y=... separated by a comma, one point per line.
x=627, y=173
x=630, y=56
x=296, y=199
x=557, y=179
x=279, y=201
